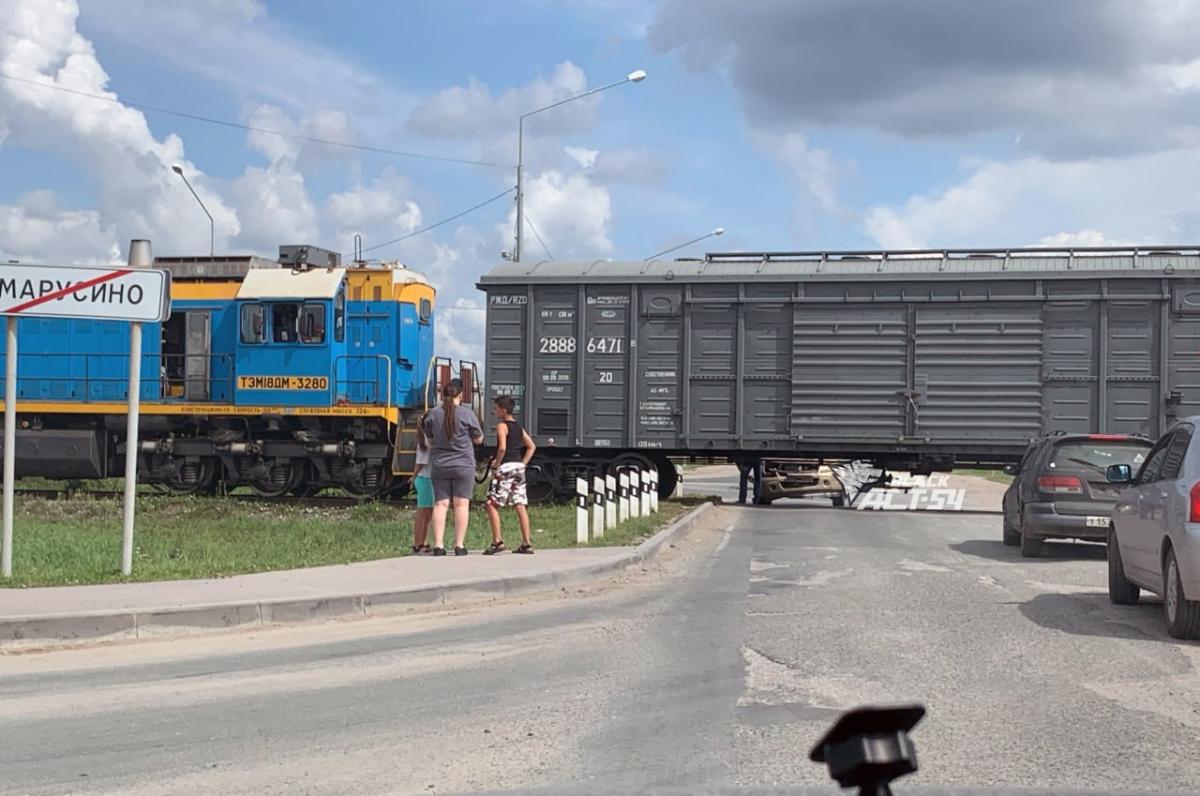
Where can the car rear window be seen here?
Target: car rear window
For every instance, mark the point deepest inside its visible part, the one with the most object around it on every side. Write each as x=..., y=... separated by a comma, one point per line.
x=1099, y=454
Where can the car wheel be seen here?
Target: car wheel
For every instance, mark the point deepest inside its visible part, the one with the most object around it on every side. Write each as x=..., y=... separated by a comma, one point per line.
x=838, y=501
x=1031, y=546
x=1183, y=615
x=1120, y=590
x=1012, y=536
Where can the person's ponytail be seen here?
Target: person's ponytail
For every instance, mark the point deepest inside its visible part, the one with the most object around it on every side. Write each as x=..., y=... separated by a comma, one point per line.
x=449, y=393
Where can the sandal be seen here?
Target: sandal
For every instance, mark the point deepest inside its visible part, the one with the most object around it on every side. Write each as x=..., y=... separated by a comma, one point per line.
x=496, y=547
x=421, y=549
x=525, y=549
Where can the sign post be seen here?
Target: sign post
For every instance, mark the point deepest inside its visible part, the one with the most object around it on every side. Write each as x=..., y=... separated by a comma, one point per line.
x=137, y=293
x=139, y=257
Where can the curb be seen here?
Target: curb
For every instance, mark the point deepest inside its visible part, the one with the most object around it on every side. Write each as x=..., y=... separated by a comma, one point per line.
x=54, y=630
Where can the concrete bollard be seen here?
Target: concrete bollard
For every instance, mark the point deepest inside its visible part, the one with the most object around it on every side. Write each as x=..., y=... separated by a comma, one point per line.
x=635, y=493
x=623, y=496
x=610, y=502
x=678, y=481
x=645, y=491
x=654, y=490
x=581, y=511
x=597, y=507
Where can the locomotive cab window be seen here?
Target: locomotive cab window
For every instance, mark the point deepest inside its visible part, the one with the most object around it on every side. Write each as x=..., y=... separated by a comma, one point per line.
x=425, y=311
x=312, y=323
x=339, y=316
x=254, y=324
x=285, y=323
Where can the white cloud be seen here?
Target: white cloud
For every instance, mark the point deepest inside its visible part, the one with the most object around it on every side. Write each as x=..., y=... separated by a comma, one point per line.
x=1083, y=237
x=377, y=211
x=36, y=230
x=586, y=158
x=473, y=112
x=275, y=208
x=813, y=168
x=461, y=329
x=138, y=196
x=238, y=44
x=570, y=212
x=1145, y=199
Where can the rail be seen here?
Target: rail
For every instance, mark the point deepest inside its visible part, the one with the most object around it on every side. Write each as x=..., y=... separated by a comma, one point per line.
x=347, y=382
x=948, y=254
x=105, y=376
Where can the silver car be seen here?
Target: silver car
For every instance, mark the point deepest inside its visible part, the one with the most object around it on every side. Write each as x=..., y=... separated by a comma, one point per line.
x=1154, y=538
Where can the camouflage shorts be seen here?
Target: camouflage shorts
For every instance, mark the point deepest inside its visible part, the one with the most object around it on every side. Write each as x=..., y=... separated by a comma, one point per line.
x=508, y=486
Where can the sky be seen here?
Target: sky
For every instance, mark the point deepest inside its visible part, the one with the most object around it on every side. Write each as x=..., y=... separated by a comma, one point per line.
x=792, y=124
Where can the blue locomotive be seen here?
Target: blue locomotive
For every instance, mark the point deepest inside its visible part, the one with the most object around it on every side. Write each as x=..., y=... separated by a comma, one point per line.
x=287, y=376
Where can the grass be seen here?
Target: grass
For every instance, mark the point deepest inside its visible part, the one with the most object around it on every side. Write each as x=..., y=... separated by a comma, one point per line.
x=78, y=540
x=992, y=475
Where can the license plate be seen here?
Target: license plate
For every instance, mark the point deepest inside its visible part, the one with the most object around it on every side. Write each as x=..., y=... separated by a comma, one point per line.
x=1097, y=522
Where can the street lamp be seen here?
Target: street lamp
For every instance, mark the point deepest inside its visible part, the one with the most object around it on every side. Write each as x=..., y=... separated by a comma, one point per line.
x=715, y=233
x=636, y=76
x=212, y=229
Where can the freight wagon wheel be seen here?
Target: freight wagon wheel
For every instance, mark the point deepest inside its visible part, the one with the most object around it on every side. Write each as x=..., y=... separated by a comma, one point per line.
x=192, y=478
x=668, y=477
x=541, y=480
x=279, y=479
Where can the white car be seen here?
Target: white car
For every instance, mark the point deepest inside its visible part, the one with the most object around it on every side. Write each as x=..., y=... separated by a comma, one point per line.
x=1154, y=538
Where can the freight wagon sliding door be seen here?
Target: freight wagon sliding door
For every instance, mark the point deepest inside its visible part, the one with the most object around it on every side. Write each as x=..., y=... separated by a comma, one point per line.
x=506, y=340
x=555, y=352
x=977, y=372
x=605, y=345
x=849, y=372
x=659, y=365
x=1103, y=357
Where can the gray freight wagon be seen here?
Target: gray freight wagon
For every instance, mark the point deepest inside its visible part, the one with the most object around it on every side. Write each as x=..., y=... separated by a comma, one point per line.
x=915, y=360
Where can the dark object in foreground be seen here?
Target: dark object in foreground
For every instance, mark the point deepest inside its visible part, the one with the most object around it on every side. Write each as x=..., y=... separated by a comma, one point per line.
x=869, y=747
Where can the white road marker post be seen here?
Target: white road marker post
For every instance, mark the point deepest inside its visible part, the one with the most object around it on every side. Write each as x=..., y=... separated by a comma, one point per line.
x=597, y=507
x=581, y=511
x=140, y=256
x=678, y=480
x=623, y=496
x=10, y=442
x=654, y=489
x=610, y=502
x=645, y=487
x=635, y=493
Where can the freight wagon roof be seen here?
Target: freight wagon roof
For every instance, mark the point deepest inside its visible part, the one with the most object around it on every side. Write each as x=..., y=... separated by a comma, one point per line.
x=859, y=266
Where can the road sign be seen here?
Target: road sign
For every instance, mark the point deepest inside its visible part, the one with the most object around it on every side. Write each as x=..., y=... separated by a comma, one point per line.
x=108, y=294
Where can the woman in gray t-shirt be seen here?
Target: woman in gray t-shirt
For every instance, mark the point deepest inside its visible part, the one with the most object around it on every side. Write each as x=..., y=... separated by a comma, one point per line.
x=454, y=432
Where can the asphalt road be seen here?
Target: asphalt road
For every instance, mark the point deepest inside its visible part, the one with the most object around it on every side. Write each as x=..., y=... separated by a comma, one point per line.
x=720, y=665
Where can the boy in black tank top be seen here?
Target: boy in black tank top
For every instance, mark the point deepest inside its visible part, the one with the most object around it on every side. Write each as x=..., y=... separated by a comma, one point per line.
x=514, y=449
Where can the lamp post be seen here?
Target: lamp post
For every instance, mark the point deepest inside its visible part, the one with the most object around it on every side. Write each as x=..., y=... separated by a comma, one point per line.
x=636, y=76
x=212, y=229
x=715, y=233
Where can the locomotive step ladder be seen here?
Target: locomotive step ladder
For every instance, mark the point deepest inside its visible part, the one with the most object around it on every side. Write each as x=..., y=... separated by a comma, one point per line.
x=441, y=370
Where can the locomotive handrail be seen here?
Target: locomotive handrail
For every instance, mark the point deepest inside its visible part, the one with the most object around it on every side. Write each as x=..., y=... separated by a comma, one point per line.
x=377, y=357
x=149, y=360
x=885, y=254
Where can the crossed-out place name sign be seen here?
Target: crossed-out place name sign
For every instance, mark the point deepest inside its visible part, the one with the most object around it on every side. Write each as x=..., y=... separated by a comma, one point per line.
x=108, y=294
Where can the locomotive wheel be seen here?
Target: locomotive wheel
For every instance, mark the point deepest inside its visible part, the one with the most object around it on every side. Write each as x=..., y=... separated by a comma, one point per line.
x=373, y=481
x=193, y=478
x=304, y=486
x=283, y=477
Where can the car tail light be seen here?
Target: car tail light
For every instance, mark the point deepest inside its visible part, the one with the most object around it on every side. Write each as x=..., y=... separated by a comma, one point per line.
x=1060, y=484
x=1194, y=503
